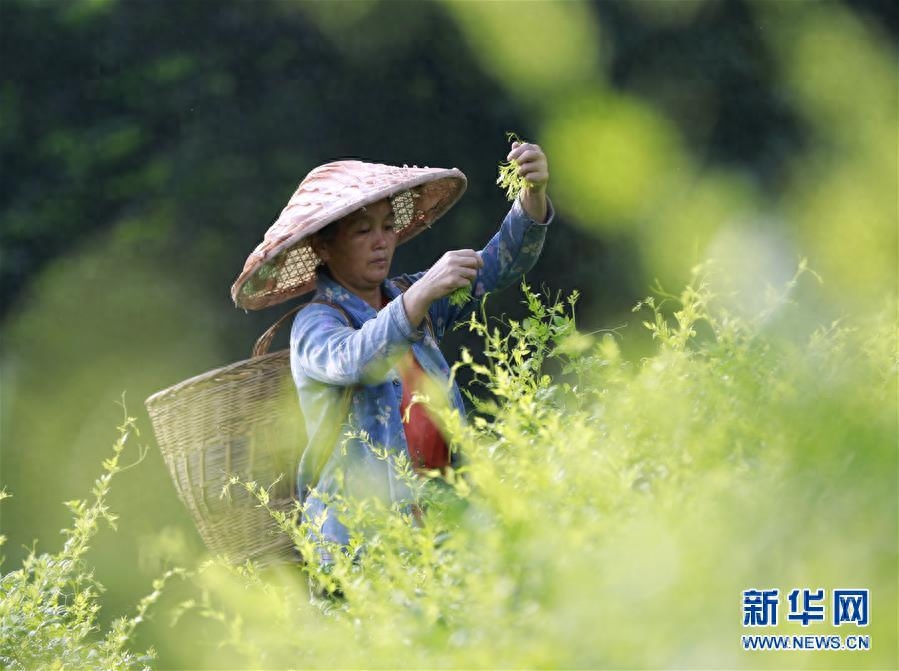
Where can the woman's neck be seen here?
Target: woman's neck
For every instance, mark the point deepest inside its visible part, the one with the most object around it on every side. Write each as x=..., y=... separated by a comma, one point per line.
x=371, y=296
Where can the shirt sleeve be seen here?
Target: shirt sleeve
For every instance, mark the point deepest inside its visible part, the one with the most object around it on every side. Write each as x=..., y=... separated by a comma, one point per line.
x=509, y=254
x=330, y=350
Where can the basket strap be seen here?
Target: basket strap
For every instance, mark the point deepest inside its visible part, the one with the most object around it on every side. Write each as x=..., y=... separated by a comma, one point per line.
x=265, y=340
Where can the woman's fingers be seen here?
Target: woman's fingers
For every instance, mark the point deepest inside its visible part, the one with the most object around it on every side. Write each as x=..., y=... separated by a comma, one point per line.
x=466, y=257
x=537, y=163
x=455, y=269
x=534, y=173
x=468, y=273
x=525, y=152
x=531, y=161
x=530, y=156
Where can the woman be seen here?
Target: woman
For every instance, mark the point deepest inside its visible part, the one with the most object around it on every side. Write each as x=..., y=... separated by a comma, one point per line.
x=362, y=346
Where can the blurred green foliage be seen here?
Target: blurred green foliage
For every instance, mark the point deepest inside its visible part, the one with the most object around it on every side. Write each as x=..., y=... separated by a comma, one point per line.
x=49, y=609
x=147, y=146
x=610, y=514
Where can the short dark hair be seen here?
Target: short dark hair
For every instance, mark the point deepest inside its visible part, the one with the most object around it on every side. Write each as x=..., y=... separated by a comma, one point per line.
x=327, y=234
x=324, y=236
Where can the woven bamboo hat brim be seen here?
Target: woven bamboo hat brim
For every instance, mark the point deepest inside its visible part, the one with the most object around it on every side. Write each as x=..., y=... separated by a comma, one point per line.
x=283, y=265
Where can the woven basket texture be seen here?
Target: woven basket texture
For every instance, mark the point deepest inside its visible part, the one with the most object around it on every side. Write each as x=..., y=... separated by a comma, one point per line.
x=243, y=420
x=283, y=265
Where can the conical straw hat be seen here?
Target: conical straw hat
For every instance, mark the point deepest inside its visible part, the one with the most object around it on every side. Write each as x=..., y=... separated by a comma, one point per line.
x=283, y=265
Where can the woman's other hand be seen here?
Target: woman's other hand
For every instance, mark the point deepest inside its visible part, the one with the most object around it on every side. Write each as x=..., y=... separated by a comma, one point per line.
x=455, y=269
x=533, y=166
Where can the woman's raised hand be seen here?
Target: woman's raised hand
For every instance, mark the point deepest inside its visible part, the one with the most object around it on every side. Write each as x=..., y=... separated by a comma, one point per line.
x=533, y=166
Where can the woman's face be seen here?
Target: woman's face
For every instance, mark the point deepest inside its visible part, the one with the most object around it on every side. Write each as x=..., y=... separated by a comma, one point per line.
x=359, y=255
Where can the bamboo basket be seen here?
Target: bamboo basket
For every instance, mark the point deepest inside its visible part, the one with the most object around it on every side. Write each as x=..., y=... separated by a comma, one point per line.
x=243, y=420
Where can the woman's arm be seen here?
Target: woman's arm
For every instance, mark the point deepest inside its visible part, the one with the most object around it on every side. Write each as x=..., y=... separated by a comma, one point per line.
x=330, y=350
x=509, y=254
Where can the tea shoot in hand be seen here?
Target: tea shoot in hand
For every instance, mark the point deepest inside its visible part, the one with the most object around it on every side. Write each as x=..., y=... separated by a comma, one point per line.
x=460, y=296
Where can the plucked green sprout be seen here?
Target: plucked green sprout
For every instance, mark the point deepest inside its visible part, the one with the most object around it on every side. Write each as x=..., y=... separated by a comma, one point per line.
x=509, y=179
x=460, y=296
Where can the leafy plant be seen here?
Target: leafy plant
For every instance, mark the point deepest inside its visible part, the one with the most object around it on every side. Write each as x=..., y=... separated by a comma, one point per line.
x=49, y=608
x=596, y=491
